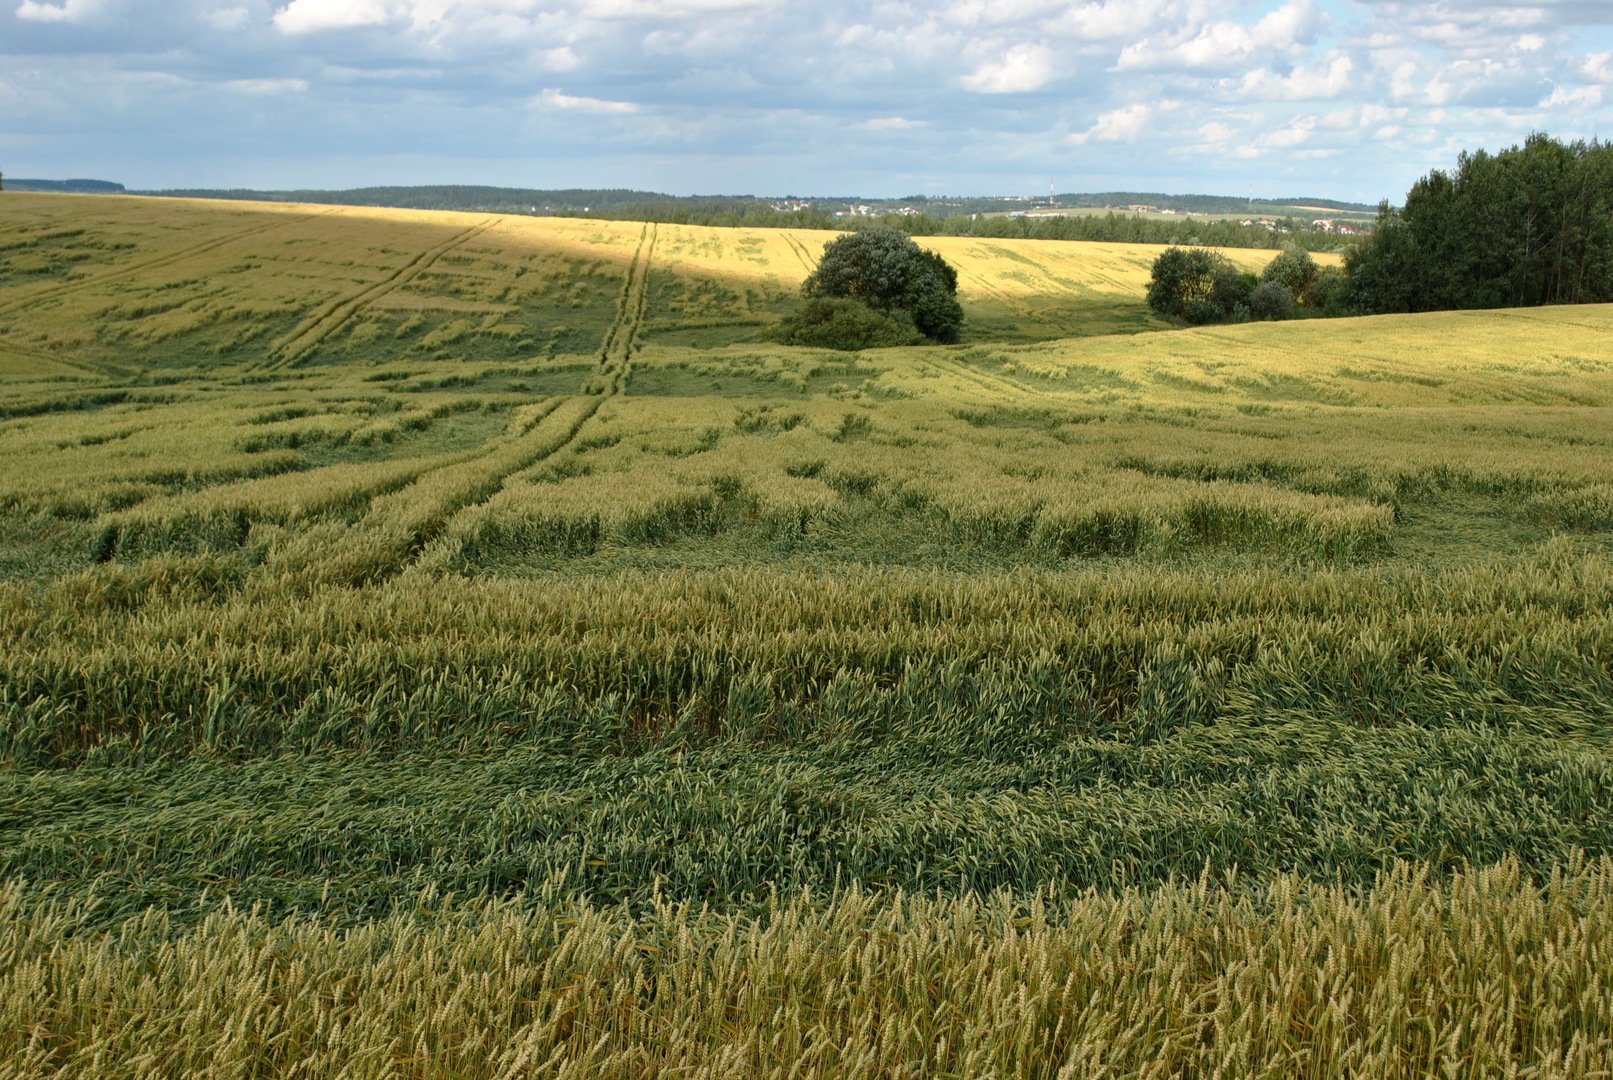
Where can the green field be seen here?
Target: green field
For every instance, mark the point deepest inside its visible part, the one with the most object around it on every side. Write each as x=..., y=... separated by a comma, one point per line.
x=452, y=645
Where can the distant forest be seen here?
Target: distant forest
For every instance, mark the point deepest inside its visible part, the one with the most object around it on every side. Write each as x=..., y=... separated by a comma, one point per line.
x=72, y=187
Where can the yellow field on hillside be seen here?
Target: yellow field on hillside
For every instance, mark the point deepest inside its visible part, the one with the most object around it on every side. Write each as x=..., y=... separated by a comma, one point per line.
x=186, y=375
x=137, y=281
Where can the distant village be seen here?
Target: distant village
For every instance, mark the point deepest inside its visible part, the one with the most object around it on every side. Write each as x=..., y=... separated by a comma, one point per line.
x=1049, y=207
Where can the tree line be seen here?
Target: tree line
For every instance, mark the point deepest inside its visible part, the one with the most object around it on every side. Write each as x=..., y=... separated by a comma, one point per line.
x=1529, y=225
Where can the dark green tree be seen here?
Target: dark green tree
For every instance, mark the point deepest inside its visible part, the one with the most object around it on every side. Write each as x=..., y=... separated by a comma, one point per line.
x=1271, y=300
x=1293, y=269
x=1184, y=286
x=883, y=268
x=1529, y=225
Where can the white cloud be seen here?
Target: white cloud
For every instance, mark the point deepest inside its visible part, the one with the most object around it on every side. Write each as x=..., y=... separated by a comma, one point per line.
x=1301, y=84
x=554, y=99
x=892, y=123
x=306, y=16
x=1023, y=68
x=71, y=11
x=1598, y=67
x=1530, y=43
x=668, y=9
x=1115, y=19
x=1117, y=125
x=1584, y=96
x=1226, y=45
x=1291, y=134
x=562, y=58
x=269, y=86
x=233, y=18
x=996, y=12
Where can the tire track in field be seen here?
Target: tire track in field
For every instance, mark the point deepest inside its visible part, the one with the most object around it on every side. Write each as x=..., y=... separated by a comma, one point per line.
x=559, y=427
x=81, y=365
x=998, y=295
x=410, y=529
x=985, y=379
x=621, y=339
x=415, y=523
x=332, y=315
x=157, y=263
x=801, y=252
x=403, y=521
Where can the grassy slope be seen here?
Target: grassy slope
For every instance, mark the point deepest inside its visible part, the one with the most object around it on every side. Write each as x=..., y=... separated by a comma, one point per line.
x=349, y=554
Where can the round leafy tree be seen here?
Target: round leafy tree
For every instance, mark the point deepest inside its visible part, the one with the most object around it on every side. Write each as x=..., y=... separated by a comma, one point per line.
x=1293, y=268
x=1195, y=286
x=884, y=269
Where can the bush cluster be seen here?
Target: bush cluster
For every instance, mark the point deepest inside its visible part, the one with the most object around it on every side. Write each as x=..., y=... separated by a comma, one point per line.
x=875, y=288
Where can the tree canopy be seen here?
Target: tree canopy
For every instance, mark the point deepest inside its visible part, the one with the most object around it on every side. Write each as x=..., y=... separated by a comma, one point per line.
x=1529, y=225
x=884, y=269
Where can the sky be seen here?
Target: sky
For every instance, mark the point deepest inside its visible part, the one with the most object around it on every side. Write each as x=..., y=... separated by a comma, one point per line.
x=1348, y=100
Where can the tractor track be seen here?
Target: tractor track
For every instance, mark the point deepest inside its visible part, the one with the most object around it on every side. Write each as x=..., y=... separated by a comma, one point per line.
x=621, y=339
x=157, y=263
x=999, y=295
x=984, y=379
x=333, y=314
x=801, y=252
x=433, y=544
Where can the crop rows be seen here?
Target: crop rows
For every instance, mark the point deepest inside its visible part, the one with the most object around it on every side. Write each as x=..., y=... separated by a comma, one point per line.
x=1484, y=974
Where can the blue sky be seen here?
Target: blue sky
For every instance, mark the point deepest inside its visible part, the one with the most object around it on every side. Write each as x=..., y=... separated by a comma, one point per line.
x=1323, y=97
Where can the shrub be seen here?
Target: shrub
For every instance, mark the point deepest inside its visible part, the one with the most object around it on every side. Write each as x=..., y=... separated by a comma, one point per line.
x=886, y=271
x=848, y=325
x=1328, y=292
x=1194, y=285
x=1271, y=300
x=1293, y=268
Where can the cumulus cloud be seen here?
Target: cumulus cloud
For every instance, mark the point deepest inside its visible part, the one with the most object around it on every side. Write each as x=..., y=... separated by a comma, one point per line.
x=269, y=87
x=1585, y=96
x=668, y=9
x=230, y=18
x=1115, y=20
x=554, y=99
x=1294, y=133
x=308, y=16
x=1300, y=84
x=68, y=11
x=560, y=58
x=1022, y=68
x=1598, y=67
x=1117, y=125
x=1221, y=46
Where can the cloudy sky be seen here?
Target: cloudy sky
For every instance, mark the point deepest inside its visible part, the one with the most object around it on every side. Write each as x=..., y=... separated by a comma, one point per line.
x=1343, y=98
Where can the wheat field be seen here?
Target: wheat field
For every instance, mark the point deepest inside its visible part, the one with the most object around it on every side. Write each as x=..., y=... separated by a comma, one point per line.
x=462, y=645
